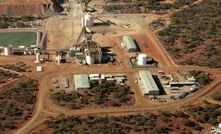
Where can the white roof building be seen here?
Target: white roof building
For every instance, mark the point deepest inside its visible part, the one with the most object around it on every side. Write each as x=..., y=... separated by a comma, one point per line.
x=39, y=69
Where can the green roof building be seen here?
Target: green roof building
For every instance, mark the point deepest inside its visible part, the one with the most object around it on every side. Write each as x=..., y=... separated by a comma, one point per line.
x=147, y=84
x=81, y=81
x=129, y=44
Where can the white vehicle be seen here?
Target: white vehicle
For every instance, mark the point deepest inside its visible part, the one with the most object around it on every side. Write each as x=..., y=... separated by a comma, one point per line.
x=66, y=83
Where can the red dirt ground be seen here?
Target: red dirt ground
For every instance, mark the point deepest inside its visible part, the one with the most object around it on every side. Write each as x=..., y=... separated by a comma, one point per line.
x=22, y=7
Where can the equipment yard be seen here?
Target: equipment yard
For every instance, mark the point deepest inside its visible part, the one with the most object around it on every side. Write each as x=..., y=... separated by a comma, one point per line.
x=92, y=63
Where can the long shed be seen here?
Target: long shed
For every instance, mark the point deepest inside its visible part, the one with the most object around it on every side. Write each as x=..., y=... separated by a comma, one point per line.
x=129, y=44
x=147, y=84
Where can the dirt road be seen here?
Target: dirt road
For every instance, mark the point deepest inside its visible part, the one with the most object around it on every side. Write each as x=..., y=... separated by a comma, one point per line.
x=62, y=32
x=44, y=108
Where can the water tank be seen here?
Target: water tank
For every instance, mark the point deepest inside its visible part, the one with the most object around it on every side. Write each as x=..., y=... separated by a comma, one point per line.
x=36, y=50
x=88, y=20
x=7, y=50
x=219, y=125
x=90, y=60
x=142, y=59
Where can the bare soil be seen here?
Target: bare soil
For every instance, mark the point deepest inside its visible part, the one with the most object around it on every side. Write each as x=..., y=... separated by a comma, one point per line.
x=22, y=7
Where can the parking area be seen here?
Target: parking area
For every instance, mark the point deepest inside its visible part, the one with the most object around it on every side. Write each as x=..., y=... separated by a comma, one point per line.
x=63, y=82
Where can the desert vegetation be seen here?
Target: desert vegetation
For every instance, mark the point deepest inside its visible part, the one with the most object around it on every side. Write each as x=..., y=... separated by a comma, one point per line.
x=217, y=96
x=5, y=76
x=99, y=95
x=193, y=37
x=208, y=113
x=201, y=77
x=19, y=67
x=188, y=120
x=145, y=6
x=17, y=22
x=157, y=24
x=16, y=104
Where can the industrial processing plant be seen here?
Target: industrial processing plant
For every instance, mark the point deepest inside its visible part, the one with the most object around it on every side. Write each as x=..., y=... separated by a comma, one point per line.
x=109, y=67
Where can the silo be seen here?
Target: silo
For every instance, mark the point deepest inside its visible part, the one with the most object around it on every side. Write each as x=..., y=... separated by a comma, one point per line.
x=7, y=51
x=36, y=50
x=58, y=59
x=90, y=59
x=88, y=20
x=141, y=59
x=82, y=22
x=38, y=38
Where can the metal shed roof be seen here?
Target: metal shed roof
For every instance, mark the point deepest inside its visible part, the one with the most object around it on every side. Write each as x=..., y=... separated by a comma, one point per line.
x=129, y=42
x=81, y=81
x=148, y=82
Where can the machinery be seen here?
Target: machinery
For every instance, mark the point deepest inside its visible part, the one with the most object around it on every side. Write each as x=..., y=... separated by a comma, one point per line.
x=60, y=56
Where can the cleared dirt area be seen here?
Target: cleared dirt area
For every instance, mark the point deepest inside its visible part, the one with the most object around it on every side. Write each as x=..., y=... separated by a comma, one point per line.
x=22, y=7
x=62, y=33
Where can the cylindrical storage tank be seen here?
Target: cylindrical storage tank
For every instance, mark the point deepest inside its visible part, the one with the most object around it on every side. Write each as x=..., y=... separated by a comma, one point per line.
x=88, y=20
x=38, y=34
x=36, y=50
x=141, y=59
x=82, y=22
x=7, y=51
x=90, y=60
x=219, y=125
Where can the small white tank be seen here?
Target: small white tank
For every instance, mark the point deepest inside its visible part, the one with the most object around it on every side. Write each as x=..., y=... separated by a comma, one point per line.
x=90, y=60
x=7, y=51
x=141, y=59
x=88, y=20
x=36, y=50
x=219, y=125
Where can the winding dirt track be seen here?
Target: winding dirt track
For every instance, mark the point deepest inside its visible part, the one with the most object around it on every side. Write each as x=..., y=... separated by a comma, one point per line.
x=45, y=109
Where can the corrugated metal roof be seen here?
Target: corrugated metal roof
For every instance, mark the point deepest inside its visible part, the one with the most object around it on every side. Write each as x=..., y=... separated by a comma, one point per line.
x=94, y=75
x=110, y=79
x=148, y=83
x=81, y=81
x=129, y=42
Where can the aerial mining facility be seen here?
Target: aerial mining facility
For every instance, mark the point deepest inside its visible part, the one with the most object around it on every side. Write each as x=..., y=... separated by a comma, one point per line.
x=87, y=52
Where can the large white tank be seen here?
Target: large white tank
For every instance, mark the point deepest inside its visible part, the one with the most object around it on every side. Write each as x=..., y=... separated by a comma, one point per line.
x=90, y=60
x=219, y=125
x=7, y=50
x=88, y=20
x=142, y=59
